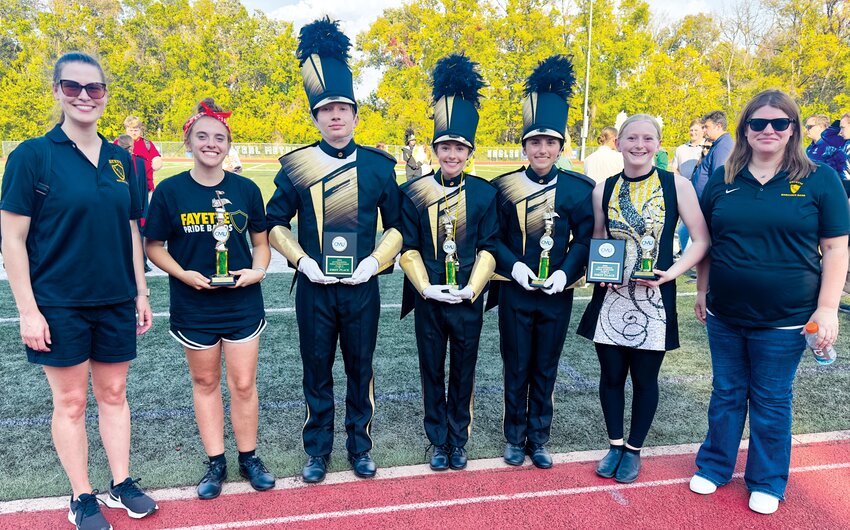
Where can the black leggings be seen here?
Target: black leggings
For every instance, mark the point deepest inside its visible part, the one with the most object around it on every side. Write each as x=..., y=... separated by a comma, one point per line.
x=616, y=362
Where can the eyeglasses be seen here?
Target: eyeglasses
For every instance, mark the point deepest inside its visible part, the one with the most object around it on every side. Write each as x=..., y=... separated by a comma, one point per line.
x=73, y=89
x=760, y=124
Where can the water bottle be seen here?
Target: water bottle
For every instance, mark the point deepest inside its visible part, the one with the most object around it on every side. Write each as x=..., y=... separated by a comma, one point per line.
x=822, y=356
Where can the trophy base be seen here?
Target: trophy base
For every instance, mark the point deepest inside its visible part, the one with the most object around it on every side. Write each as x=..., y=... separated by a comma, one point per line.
x=223, y=281
x=538, y=283
x=644, y=275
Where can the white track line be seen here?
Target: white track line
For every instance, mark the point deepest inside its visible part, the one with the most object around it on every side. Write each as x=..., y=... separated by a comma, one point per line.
x=474, y=500
x=344, y=477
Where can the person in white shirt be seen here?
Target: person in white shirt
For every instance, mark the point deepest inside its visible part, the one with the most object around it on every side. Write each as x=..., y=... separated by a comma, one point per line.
x=685, y=162
x=605, y=161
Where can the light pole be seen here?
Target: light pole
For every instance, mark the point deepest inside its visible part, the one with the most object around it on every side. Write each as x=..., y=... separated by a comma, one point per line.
x=585, y=125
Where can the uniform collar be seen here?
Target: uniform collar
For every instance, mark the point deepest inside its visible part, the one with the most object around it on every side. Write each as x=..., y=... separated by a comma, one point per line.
x=438, y=176
x=345, y=152
x=534, y=177
x=640, y=178
x=57, y=135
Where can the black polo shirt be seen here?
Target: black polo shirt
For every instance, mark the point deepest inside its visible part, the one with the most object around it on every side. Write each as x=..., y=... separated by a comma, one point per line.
x=765, y=261
x=80, y=249
x=181, y=213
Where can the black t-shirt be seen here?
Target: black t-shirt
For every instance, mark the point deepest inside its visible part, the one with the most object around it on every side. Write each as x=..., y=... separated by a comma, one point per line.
x=80, y=246
x=765, y=260
x=181, y=213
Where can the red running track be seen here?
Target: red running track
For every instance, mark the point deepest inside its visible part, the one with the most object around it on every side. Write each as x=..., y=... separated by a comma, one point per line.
x=569, y=495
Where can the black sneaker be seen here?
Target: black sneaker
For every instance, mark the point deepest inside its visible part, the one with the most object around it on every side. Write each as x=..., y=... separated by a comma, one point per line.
x=129, y=495
x=210, y=486
x=255, y=471
x=84, y=513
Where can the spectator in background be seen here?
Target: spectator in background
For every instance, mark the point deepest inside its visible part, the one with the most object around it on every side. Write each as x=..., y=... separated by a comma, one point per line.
x=125, y=141
x=844, y=126
x=606, y=161
x=412, y=164
x=684, y=163
x=381, y=145
x=143, y=148
x=827, y=143
x=715, y=124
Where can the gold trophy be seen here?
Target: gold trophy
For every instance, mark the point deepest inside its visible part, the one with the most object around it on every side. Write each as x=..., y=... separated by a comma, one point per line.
x=450, y=248
x=647, y=250
x=546, y=243
x=221, y=233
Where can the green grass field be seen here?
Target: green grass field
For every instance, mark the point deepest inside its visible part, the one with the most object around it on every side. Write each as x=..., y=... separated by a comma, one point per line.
x=166, y=449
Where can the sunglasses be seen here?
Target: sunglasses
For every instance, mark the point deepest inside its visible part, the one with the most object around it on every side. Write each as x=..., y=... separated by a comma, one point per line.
x=73, y=89
x=760, y=124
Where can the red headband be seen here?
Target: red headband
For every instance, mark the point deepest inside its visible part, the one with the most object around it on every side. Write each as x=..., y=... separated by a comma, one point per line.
x=220, y=116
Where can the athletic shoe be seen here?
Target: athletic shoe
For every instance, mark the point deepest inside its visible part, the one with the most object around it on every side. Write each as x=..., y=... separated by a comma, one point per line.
x=210, y=486
x=255, y=471
x=84, y=513
x=763, y=503
x=129, y=496
x=702, y=485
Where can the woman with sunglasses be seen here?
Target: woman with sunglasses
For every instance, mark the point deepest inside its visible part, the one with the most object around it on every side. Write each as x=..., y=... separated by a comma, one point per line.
x=197, y=212
x=779, y=226
x=81, y=305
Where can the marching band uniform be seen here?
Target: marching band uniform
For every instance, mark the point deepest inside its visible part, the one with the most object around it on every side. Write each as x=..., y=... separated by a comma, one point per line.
x=469, y=204
x=333, y=191
x=533, y=323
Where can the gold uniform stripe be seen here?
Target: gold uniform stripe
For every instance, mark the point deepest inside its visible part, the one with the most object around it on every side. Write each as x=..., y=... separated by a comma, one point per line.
x=283, y=240
x=414, y=268
x=388, y=248
x=483, y=269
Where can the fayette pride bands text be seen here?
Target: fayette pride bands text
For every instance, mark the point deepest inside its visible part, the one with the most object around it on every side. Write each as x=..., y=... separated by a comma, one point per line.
x=202, y=221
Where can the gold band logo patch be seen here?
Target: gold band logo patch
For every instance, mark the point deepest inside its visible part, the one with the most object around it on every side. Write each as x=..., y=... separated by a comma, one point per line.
x=118, y=169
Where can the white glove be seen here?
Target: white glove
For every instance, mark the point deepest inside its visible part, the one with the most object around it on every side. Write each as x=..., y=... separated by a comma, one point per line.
x=440, y=293
x=464, y=294
x=556, y=282
x=365, y=270
x=522, y=274
x=309, y=268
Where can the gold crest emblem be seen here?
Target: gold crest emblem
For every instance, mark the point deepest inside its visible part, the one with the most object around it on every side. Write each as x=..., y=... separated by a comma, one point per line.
x=118, y=169
x=795, y=187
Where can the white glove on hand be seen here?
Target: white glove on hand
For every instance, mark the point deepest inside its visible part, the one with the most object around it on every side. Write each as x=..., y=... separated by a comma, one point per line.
x=440, y=293
x=522, y=274
x=464, y=294
x=556, y=282
x=365, y=270
x=309, y=268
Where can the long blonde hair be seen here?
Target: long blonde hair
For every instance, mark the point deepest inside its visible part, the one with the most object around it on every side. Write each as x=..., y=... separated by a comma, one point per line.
x=794, y=159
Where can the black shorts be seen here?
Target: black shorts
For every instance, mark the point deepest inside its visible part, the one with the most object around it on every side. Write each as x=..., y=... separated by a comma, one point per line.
x=105, y=334
x=202, y=339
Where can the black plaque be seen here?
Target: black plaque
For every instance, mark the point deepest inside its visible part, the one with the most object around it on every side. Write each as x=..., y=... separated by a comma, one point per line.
x=606, y=261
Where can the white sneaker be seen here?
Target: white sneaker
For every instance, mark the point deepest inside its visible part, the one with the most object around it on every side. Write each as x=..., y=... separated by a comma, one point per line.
x=701, y=485
x=763, y=503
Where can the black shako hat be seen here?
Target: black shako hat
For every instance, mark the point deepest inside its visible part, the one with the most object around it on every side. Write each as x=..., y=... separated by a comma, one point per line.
x=323, y=55
x=544, y=110
x=456, y=93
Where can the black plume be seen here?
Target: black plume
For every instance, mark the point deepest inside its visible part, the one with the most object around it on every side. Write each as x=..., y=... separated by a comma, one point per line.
x=455, y=75
x=323, y=38
x=554, y=74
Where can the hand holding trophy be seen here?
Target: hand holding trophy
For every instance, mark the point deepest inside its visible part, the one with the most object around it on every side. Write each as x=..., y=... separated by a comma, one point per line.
x=546, y=243
x=450, y=248
x=221, y=233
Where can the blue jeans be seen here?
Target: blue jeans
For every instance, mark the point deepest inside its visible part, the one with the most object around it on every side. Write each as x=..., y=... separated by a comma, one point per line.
x=755, y=368
x=684, y=236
